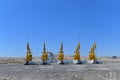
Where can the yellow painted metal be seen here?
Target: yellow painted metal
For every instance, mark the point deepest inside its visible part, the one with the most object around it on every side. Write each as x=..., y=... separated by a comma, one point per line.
x=92, y=55
x=45, y=54
x=61, y=53
x=29, y=53
x=77, y=53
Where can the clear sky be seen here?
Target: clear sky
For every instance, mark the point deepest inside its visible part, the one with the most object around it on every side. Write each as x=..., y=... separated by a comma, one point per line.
x=56, y=21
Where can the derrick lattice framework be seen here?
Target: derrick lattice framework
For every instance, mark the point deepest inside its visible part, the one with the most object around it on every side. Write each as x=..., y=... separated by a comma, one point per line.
x=92, y=55
x=61, y=53
x=44, y=55
x=77, y=53
x=29, y=53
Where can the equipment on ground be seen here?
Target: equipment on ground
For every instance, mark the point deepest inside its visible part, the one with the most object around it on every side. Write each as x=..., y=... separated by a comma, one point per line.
x=44, y=56
x=61, y=55
x=92, y=59
x=77, y=55
x=28, y=55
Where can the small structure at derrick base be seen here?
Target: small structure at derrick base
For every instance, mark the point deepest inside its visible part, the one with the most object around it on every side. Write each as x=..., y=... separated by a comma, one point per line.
x=44, y=56
x=51, y=57
x=61, y=55
x=28, y=55
x=76, y=56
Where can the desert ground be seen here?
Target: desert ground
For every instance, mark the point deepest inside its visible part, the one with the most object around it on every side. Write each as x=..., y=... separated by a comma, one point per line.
x=14, y=69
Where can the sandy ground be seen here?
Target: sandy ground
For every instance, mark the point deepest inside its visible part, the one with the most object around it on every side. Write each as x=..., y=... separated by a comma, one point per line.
x=13, y=69
x=109, y=71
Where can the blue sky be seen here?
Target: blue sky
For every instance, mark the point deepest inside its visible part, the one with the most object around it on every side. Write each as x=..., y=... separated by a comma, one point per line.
x=56, y=21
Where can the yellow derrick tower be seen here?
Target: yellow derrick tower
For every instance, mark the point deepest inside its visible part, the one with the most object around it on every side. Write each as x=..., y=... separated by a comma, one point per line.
x=92, y=55
x=77, y=53
x=28, y=54
x=44, y=55
x=61, y=53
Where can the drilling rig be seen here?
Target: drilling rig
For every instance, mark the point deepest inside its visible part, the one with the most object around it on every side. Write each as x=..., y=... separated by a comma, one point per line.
x=61, y=55
x=77, y=55
x=92, y=57
x=28, y=55
x=44, y=56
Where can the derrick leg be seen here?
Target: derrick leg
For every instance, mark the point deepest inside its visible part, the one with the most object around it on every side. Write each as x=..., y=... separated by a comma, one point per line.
x=44, y=62
x=61, y=62
x=27, y=63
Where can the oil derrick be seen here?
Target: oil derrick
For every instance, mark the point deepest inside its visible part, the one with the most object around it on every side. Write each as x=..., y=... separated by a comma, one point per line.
x=77, y=55
x=61, y=55
x=44, y=55
x=92, y=55
x=28, y=54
